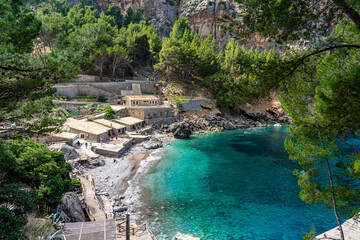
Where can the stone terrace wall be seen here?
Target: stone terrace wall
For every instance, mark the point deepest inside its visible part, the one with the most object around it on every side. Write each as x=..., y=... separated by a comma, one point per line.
x=106, y=89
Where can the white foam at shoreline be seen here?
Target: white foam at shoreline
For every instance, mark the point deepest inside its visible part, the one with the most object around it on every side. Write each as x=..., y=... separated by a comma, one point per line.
x=133, y=192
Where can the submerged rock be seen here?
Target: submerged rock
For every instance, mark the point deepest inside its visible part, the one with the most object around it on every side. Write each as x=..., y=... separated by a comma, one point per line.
x=71, y=207
x=181, y=236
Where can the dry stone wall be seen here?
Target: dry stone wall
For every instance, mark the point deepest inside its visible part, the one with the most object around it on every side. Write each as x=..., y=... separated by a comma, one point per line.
x=107, y=89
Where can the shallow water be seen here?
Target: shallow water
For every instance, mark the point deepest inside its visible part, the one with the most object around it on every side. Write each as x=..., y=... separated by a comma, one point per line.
x=230, y=185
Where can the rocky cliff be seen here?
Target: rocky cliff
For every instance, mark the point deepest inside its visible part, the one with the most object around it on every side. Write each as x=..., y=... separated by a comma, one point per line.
x=202, y=14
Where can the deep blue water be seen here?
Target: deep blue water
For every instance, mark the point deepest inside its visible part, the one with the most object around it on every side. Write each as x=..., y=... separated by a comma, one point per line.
x=231, y=185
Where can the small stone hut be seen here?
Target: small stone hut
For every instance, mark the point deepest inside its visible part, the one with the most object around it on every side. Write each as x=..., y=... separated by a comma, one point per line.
x=70, y=138
x=88, y=130
x=141, y=100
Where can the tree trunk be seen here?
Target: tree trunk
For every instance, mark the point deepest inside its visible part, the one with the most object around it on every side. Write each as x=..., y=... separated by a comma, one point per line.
x=333, y=198
x=101, y=74
x=349, y=11
x=113, y=73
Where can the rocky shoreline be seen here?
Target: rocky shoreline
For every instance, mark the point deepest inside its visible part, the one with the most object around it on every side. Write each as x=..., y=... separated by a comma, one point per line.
x=113, y=180
x=208, y=124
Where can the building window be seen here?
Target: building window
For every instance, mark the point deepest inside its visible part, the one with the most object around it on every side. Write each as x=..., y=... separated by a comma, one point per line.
x=82, y=135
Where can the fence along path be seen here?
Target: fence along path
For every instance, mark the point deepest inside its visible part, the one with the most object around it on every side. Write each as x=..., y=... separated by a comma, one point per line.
x=93, y=207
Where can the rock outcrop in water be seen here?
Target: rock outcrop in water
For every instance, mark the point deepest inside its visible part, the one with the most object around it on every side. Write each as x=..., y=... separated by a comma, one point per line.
x=206, y=124
x=181, y=130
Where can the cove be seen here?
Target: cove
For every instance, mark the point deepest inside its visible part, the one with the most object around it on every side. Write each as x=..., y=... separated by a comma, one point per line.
x=230, y=185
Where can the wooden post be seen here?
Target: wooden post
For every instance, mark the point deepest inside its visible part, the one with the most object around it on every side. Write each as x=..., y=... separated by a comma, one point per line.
x=127, y=227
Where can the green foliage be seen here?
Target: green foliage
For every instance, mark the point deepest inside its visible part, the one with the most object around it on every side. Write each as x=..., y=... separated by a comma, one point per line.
x=177, y=100
x=141, y=42
x=45, y=171
x=324, y=106
x=186, y=54
x=112, y=10
x=244, y=74
x=19, y=27
x=309, y=235
x=109, y=112
x=133, y=17
x=102, y=99
x=12, y=220
x=286, y=20
x=11, y=224
x=75, y=182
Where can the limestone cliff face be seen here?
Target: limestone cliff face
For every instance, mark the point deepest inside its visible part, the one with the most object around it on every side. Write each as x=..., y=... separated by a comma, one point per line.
x=202, y=14
x=161, y=13
x=203, y=17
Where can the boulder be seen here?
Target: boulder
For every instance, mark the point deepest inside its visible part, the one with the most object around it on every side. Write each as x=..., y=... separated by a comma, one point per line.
x=95, y=161
x=120, y=209
x=69, y=152
x=277, y=125
x=72, y=210
x=207, y=105
x=183, y=130
x=229, y=125
x=152, y=143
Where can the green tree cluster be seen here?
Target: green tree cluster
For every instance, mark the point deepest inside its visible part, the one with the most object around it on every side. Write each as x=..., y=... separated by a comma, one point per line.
x=186, y=55
x=235, y=74
x=25, y=99
x=97, y=39
x=320, y=93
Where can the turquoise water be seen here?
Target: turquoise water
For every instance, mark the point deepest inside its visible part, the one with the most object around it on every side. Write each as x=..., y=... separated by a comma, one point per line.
x=230, y=185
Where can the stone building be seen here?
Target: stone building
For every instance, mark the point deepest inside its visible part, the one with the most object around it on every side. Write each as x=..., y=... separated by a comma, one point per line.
x=70, y=138
x=88, y=130
x=131, y=123
x=117, y=128
x=146, y=107
x=141, y=100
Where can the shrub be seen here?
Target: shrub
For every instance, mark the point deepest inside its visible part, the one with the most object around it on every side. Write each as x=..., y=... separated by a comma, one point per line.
x=102, y=99
x=109, y=112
